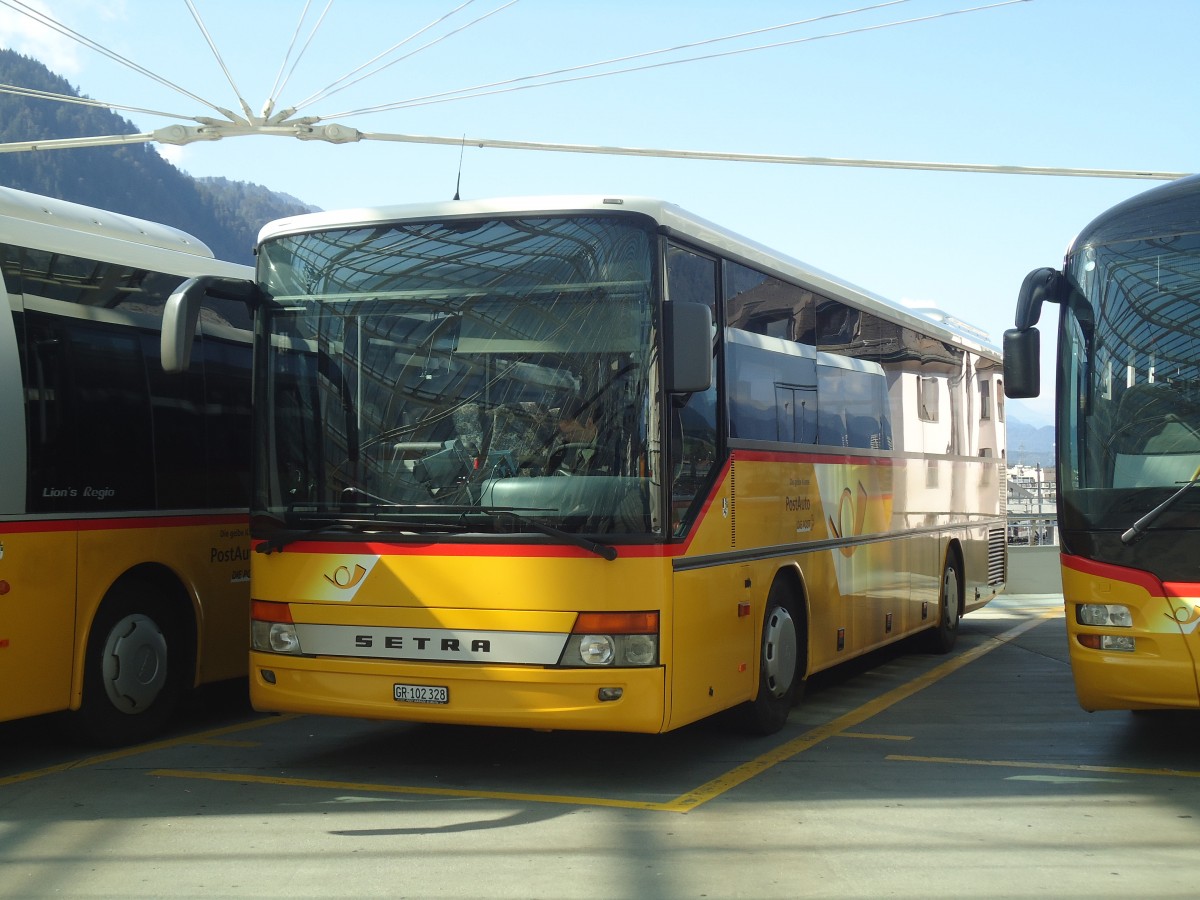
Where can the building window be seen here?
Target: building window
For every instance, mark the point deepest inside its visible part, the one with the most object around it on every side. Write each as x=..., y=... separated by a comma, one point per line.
x=927, y=399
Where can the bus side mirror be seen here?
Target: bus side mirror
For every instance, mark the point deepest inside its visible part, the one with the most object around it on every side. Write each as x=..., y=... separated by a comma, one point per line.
x=182, y=313
x=179, y=324
x=689, y=345
x=1040, y=286
x=1022, y=363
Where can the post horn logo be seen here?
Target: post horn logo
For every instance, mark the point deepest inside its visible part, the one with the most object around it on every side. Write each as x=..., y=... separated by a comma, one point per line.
x=851, y=517
x=344, y=579
x=1187, y=617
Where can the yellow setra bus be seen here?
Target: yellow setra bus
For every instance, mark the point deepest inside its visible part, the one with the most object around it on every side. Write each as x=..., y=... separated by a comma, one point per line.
x=124, y=545
x=595, y=463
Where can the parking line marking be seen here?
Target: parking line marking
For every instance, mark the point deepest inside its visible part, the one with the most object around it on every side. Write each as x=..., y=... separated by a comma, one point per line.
x=373, y=788
x=855, y=717
x=1057, y=767
x=684, y=802
x=126, y=752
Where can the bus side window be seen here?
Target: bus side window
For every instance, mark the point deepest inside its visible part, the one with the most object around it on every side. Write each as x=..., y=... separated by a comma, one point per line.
x=92, y=375
x=771, y=382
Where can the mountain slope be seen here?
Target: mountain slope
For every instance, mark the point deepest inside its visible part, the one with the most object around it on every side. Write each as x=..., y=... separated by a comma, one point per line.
x=131, y=179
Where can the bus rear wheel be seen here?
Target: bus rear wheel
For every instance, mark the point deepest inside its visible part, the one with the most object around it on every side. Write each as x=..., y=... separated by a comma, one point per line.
x=133, y=671
x=782, y=652
x=941, y=638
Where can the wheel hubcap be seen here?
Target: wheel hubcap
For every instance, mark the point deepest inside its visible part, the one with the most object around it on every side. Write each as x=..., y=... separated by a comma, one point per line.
x=779, y=652
x=135, y=663
x=949, y=600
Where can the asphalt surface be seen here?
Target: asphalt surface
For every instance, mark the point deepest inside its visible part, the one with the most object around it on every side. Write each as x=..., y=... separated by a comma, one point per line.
x=904, y=775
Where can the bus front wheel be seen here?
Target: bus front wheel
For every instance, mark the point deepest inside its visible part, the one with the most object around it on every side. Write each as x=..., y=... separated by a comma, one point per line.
x=780, y=668
x=133, y=671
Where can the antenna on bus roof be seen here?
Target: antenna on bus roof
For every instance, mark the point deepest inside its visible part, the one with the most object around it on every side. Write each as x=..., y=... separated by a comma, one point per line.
x=458, y=184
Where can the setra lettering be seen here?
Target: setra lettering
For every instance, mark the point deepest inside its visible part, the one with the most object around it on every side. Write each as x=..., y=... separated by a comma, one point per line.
x=419, y=644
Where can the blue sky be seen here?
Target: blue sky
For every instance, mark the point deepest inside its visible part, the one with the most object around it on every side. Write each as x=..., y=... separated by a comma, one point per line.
x=1067, y=83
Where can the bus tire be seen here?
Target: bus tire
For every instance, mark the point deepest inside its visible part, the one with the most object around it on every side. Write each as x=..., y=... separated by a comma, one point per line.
x=941, y=638
x=782, y=651
x=134, y=670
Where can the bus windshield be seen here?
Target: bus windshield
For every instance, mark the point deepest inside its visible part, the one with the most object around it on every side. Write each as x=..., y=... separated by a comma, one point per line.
x=460, y=377
x=1131, y=377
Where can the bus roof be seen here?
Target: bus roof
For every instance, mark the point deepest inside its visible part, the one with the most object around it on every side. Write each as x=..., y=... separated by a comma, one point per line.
x=675, y=221
x=1167, y=209
x=46, y=223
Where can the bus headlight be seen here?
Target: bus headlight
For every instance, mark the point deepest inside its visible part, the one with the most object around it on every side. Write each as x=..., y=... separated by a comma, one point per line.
x=274, y=637
x=271, y=628
x=641, y=649
x=1103, y=615
x=596, y=649
x=614, y=640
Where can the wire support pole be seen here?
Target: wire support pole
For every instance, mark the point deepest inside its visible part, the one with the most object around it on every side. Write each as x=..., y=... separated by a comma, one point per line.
x=778, y=159
x=308, y=129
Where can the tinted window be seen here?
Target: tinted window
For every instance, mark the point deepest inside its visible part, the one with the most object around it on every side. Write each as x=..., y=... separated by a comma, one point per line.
x=88, y=407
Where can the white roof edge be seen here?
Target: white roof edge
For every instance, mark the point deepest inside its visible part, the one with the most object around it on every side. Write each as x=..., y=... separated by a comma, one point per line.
x=673, y=217
x=21, y=206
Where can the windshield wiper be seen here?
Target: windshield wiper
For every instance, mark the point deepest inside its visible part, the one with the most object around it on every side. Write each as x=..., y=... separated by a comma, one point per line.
x=602, y=550
x=465, y=514
x=1138, y=528
x=283, y=537
x=455, y=519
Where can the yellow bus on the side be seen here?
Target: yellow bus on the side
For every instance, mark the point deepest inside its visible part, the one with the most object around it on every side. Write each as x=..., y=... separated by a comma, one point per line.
x=124, y=537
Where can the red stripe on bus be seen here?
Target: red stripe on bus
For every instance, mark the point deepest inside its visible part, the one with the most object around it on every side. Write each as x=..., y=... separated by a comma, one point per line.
x=55, y=525
x=1093, y=569
x=1184, y=590
x=438, y=548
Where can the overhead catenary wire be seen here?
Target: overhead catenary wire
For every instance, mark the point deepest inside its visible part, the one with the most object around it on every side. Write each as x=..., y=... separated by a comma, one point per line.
x=281, y=79
x=334, y=87
x=648, y=53
x=217, y=56
x=306, y=128
x=18, y=91
x=41, y=18
x=325, y=91
x=514, y=85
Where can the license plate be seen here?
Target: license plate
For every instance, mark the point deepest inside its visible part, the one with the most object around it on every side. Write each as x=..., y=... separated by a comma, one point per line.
x=420, y=693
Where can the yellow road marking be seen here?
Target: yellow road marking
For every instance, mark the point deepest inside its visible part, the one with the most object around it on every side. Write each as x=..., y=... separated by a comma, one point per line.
x=127, y=752
x=875, y=737
x=1058, y=767
x=684, y=802
x=855, y=717
x=372, y=788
